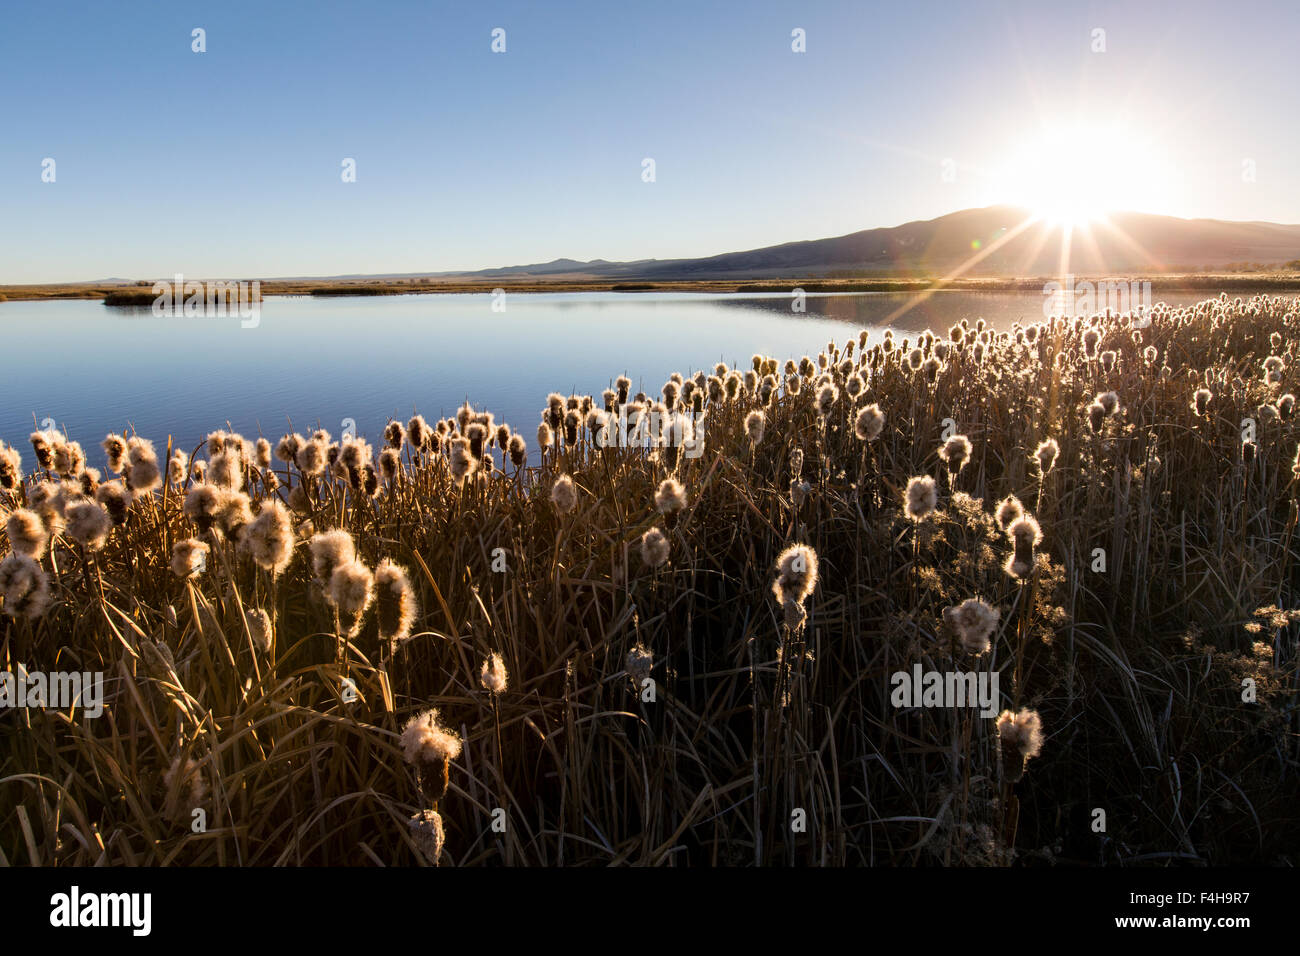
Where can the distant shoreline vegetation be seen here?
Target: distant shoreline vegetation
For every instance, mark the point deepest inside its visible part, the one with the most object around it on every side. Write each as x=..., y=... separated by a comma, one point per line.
x=141, y=293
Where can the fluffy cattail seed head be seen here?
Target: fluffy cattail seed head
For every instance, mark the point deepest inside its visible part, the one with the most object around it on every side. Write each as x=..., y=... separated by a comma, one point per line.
x=1021, y=737
x=564, y=494
x=973, y=621
x=27, y=534
x=796, y=574
x=1046, y=454
x=921, y=497
x=493, y=676
x=654, y=548
x=395, y=604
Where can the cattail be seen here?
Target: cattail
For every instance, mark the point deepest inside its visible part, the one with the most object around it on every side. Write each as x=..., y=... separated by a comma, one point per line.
x=796, y=461
x=259, y=629
x=572, y=419
x=1109, y=401
x=428, y=834
x=288, y=447
x=189, y=558
x=754, y=425
x=517, y=449
x=640, y=661
x=43, y=444
x=352, y=588
x=555, y=411
x=430, y=748
x=69, y=459
x=955, y=452
x=493, y=675
x=1096, y=416
x=1108, y=361
x=1046, y=454
x=796, y=577
x=827, y=395
x=564, y=494
x=11, y=468
x=920, y=498
x=418, y=432
x=88, y=524
x=142, y=474
x=186, y=789
x=1201, y=401
x=670, y=497
x=395, y=605
x=24, y=586
x=796, y=574
x=973, y=621
x=654, y=548
x=1286, y=406
x=312, y=456
x=544, y=436
x=932, y=367
x=1091, y=339
x=869, y=423
x=462, y=460
x=234, y=513
x=89, y=481
x=299, y=500
x=1025, y=535
x=269, y=538
x=115, y=498
x=27, y=534
x=393, y=435
x=115, y=449
x=226, y=470
x=1009, y=509
x=330, y=550
x=1021, y=738
x=390, y=463
x=262, y=453
x=177, y=467
x=1267, y=413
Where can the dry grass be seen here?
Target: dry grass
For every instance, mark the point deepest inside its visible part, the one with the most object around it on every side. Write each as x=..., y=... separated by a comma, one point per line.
x=1135, y=671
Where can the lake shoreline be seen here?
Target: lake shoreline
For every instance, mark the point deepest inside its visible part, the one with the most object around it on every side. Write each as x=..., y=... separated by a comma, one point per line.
x=136, y=293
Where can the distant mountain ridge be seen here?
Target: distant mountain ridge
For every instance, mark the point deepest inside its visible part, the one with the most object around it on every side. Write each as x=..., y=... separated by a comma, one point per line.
x=1124, y=242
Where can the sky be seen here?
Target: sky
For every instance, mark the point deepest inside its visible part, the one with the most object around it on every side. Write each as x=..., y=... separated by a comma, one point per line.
x=230, y=162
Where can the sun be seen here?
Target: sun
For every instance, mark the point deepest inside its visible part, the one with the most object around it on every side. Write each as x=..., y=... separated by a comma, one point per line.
x=1076, y=173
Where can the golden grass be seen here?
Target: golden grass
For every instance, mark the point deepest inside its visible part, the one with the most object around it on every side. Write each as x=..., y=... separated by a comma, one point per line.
x=1136, y=671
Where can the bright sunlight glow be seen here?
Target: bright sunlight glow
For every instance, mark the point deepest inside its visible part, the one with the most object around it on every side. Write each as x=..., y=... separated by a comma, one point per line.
x=1072, y=175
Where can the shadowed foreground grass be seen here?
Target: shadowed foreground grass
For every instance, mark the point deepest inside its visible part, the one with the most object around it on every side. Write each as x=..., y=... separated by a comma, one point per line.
x=753, y=731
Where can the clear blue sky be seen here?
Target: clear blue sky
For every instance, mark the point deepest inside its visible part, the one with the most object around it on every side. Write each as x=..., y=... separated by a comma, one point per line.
x=228, y=162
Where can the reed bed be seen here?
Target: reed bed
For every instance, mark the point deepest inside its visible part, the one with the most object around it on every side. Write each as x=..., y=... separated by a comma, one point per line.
x=467, y=645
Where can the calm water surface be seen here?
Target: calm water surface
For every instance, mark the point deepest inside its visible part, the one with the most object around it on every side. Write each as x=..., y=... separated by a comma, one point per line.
x=95, y=369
